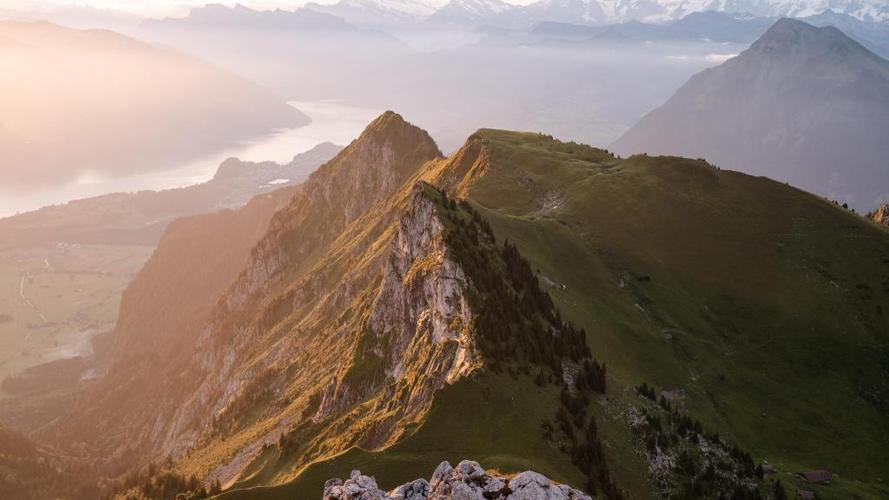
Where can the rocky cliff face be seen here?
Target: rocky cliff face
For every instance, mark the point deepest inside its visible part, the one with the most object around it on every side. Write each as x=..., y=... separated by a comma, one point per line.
x=319, y=269
x=361, y=299
x=388, y=328
x=367, y=172
x=336, y=329
x=419, y=326
x=467, y=480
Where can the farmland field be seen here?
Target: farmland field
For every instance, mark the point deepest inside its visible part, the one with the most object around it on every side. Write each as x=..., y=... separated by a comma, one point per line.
x=53, y=298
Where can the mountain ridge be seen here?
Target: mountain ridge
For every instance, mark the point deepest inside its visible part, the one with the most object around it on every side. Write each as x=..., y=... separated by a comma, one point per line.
x=329, y=49
x=603, y=12
x=531, y=188
x=434, y=305
x=809, y=86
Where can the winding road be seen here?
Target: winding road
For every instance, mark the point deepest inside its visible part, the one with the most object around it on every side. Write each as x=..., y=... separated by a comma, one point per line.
x=27, y=300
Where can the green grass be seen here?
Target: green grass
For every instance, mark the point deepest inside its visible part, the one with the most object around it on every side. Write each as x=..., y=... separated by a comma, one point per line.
x=767, y=307
x=493, y=419
x=771, y=295
x=70, y=292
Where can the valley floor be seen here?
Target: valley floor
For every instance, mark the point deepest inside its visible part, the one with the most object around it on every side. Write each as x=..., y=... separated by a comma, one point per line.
x=54, y=298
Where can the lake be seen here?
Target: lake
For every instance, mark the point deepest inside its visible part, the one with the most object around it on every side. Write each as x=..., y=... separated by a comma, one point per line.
x=332, y=121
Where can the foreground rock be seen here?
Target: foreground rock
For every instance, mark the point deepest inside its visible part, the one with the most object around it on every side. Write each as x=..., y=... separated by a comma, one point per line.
x=880, y=215
x=466, y=481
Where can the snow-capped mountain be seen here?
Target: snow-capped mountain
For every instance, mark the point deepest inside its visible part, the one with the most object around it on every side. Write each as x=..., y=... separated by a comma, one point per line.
x=869, y=10
x=473, y=13
x=376, y=13
x=614, y=11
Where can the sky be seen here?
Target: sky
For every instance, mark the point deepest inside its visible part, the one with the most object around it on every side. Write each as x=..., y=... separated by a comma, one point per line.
x=153, y=8
x=145, y=7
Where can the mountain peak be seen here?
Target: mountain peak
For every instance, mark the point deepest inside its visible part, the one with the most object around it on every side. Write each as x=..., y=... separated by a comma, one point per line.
x=389, y=119
x=788, y=35
x=786, y=32
x=394, y=128
x=784, y=108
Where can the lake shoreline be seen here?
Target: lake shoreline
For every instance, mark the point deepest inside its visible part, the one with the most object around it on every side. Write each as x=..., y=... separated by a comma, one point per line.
x=331, y=121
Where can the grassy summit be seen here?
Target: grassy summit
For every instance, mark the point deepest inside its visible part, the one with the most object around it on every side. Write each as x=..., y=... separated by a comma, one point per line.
x=764, y=305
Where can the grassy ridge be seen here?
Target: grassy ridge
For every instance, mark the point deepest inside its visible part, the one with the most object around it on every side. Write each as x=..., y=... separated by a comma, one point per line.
x=764, y=304
x=759, y=306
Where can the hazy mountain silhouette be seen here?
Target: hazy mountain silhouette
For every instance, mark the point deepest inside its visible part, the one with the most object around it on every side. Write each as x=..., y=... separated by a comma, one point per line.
x=468, y=14
x=711, y=26
x=299, y=53
x=805, y=105
x=376, y=13
x=80, y=104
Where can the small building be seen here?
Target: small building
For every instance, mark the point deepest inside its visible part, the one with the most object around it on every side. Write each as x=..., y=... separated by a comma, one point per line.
x=816, y=476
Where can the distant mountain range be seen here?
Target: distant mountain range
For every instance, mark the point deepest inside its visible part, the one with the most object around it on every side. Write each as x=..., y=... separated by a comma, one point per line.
x=378, y=13
x=297, y=53
x=706, y=26
x=469, y=14
x=803, y=104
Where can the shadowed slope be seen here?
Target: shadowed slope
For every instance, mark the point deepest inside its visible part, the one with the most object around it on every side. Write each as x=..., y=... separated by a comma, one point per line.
x=803, y=104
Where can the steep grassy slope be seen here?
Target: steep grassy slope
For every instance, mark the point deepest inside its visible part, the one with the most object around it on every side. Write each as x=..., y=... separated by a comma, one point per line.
x=758, y=308
x=763, y=305
x=485, y=413
x=488, y=419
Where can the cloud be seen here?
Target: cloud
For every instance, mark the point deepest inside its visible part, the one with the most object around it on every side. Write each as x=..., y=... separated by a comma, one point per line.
x=711, y=59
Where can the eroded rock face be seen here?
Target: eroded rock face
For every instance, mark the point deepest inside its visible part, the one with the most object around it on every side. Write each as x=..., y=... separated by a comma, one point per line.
x=420, y=319
x=423, y=292
x=880, y=215
x=467, y=481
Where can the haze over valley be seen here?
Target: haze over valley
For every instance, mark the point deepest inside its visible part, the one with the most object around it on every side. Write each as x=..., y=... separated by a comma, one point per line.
x=80, y=105
x=436, y=250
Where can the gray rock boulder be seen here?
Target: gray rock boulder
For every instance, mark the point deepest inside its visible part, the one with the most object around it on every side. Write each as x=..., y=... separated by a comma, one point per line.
x=467, y=481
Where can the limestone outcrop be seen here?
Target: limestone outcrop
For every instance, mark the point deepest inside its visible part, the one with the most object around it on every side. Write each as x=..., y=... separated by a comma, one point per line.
x=467, y=481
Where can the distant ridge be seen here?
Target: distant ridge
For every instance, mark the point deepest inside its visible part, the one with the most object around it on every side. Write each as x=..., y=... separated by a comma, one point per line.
x=803, y=104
